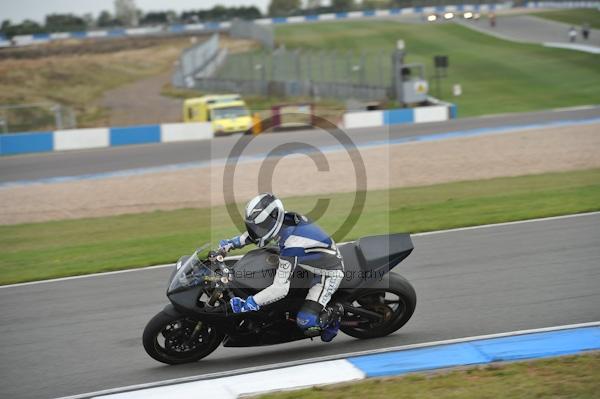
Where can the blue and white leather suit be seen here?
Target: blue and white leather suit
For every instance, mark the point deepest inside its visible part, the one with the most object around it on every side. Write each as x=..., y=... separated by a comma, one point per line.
x=303, y=244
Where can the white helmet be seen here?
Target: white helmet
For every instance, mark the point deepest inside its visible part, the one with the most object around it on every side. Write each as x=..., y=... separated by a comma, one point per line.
x=264, y=217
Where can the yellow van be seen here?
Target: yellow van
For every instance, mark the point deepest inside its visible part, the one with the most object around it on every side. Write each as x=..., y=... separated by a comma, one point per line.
x=228, y=113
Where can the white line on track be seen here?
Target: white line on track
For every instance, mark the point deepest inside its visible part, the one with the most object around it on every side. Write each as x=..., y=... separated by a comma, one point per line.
x=327, y=358
x=483, y=226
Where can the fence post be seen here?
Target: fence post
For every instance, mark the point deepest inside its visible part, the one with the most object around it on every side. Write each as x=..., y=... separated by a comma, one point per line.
x=58, y=116
x=309, y=75
x=333, y=65
x=363, y=66
x=322, y=66
x=252, y=65
x=273, y=65
x=297, y=58
x=381, y=58
x=263, y=74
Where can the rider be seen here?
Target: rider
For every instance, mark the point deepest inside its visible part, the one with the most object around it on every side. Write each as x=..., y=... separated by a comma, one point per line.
x=302, y=244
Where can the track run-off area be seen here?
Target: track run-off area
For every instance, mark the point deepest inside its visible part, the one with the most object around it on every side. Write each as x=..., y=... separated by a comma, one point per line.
x=77, y=335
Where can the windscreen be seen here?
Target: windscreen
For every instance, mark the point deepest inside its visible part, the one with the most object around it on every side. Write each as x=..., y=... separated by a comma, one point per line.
x=190, y=273
x=229, y=112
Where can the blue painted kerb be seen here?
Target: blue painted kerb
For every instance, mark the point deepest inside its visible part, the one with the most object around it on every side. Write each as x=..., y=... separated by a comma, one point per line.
x=526, y=346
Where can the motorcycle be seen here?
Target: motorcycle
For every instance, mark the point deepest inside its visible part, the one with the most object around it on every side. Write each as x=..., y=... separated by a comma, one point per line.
x=199, y=318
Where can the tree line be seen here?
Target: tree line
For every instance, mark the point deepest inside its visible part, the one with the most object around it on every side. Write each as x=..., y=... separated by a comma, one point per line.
x=277, y=8
x=72, y=23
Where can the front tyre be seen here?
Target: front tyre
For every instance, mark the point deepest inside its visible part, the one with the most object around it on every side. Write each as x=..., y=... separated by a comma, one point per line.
x=178, y=339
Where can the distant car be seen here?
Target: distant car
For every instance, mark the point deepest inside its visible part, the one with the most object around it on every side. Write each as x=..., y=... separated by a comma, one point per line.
x=228, y=113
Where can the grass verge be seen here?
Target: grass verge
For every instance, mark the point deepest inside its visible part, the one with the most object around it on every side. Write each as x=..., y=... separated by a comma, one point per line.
x=576, y=17
x=70, y=247
x=79, y=79
x=497, y=76
x=563, y=377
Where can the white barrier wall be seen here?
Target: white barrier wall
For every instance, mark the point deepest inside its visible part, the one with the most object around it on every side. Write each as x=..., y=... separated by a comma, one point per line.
x=76, y=139
x=186, y=131
x=436, y=113
x=363, y=119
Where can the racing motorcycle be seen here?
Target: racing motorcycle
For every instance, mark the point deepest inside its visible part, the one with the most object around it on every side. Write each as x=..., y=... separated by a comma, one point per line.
x=199, y=318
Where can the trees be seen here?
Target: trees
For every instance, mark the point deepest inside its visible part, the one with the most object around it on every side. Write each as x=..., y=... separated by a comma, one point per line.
x=107, y=20
x=26, y=27
x=64, y=23
x=220, y=13
x=342, y=5
x=126, y=12
x=283, y=7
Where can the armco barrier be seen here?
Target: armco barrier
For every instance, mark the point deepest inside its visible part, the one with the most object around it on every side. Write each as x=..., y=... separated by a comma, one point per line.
x=77, y=139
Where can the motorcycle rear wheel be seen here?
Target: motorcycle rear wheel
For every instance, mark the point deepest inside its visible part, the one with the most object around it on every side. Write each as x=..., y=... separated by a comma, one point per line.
x=395, y=303
x=178, y=339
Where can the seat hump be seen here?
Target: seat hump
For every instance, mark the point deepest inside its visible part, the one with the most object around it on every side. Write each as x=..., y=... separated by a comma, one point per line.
x=384, y=250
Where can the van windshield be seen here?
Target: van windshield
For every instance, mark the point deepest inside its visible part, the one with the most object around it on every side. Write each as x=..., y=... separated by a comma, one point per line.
x=229, y=112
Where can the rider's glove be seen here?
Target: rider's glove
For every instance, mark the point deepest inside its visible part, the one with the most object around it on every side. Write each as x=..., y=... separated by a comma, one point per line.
x=228, y=245
x=238, y=305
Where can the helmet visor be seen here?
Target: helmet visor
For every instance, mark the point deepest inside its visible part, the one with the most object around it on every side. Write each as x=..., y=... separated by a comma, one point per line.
x=260, y=230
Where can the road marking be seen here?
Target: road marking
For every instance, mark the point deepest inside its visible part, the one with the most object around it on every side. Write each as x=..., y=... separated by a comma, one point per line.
x=324, y=358
x=516, y=222
x=427, y=233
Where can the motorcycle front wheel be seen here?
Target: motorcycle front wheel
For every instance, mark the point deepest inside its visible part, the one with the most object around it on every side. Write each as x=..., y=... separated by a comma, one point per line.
x=178, y=339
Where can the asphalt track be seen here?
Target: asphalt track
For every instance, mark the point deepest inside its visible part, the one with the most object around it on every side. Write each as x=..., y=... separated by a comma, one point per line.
x=75, y=336
x=35, y=167
x=531, y=29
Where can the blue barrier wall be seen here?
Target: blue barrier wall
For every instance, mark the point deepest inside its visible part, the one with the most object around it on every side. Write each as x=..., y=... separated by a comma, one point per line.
x=22, y=143
x=74, y=139
x=398, y=116
x=134, y=135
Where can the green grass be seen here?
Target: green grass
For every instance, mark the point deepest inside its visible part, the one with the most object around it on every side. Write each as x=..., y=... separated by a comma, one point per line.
x=563, y=377
x=575, y=17
x=71, y=247
x=497, y=76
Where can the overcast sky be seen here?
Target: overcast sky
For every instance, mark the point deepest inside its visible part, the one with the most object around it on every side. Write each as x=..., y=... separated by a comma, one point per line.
x=18, y=10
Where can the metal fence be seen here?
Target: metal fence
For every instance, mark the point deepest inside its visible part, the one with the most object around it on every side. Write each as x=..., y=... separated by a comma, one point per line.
x=306, y=73
x=249, y=30
x=284, y=72
x=365, y=68
x=293, y=88
x=199, y=61
x=35, y=117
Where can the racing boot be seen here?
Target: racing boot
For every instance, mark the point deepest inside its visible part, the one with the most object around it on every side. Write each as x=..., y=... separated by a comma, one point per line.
x=333, y=317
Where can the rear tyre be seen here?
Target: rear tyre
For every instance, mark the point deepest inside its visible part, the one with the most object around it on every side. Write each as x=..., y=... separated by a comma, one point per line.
x=395, y=303
x=177, y=339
